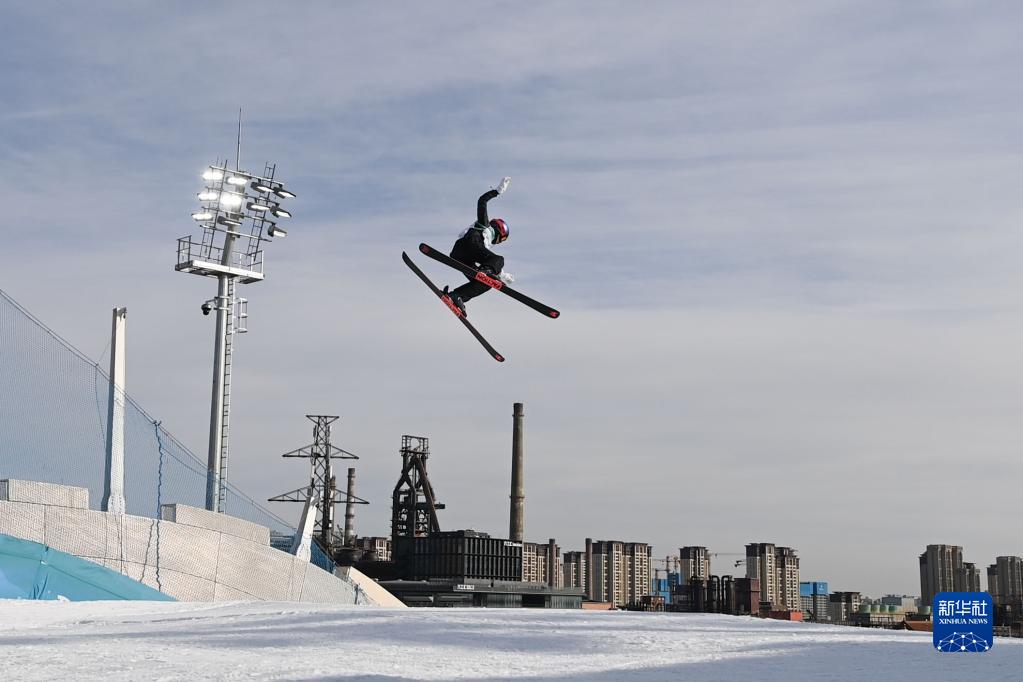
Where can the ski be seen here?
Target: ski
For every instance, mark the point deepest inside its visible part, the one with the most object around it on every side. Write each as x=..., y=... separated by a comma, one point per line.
x=492, y=282
x=452, y=307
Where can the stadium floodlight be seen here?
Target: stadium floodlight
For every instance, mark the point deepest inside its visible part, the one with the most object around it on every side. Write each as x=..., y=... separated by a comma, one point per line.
x=228, y=200
x=237, y=216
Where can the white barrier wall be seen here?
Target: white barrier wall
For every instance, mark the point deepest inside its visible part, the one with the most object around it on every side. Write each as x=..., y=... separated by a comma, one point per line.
x=199, y=556
x=12, y=490
x=372, y=590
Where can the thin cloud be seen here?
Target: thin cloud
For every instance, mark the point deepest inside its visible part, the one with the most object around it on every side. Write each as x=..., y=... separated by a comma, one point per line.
x=782, y=240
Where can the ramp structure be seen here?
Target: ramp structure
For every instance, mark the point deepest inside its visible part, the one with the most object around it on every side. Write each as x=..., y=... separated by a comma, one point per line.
x=30, y=570
x=55, y=412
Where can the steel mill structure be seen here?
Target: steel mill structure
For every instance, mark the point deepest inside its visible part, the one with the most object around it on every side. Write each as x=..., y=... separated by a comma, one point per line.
x=432, y=567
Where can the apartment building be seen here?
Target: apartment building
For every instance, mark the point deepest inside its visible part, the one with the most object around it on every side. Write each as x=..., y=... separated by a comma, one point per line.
x=777, y=569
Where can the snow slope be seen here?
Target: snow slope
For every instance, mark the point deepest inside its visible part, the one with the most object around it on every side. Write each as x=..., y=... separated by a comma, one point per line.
x=188, y=641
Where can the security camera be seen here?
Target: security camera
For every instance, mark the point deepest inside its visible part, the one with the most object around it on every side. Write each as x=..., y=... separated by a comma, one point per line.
x=206, y=307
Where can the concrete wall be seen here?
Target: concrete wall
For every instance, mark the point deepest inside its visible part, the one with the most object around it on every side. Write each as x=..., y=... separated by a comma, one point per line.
x=13, y=490
x=201, y=557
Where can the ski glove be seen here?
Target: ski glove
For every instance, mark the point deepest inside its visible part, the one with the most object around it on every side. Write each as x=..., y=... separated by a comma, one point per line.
x=503, y=185
x=506, y=277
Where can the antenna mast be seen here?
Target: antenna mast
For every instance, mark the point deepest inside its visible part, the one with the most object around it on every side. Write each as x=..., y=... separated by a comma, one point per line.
x=238, y=149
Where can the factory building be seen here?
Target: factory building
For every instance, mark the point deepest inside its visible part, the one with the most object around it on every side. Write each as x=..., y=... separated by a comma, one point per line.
x=470, y=568
x=665, y=587
x=463, y=555
x=717, y=594
x=374, y=548
x=842, y=606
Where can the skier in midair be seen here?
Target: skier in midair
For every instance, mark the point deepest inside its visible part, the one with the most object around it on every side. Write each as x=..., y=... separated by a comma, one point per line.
x=473, y=248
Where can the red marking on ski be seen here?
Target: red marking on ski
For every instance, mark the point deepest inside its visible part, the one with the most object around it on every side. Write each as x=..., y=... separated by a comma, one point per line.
x=489, y=281
x=475, y=275
x=451, y=304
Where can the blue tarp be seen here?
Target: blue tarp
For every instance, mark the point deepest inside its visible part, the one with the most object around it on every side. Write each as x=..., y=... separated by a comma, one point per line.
x=29, y=570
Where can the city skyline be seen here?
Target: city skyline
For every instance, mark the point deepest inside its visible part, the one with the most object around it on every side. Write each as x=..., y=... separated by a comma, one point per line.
x=786, y=268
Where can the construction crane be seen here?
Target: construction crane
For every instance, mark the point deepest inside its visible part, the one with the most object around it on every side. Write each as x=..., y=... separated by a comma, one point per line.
x=668, y=561
x=738, y=562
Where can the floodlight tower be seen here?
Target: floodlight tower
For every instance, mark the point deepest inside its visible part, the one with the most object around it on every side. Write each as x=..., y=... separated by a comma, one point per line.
x=238, y=212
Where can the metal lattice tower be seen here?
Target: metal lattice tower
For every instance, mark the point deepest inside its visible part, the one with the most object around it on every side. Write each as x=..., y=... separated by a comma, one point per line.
x=413, y=504
x=320, y=452
x=236, y=324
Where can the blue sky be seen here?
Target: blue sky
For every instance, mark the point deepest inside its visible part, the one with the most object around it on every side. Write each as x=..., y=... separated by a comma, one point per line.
x=783, y=237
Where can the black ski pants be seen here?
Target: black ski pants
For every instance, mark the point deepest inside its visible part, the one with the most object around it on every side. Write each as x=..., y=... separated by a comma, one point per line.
x=471, y=250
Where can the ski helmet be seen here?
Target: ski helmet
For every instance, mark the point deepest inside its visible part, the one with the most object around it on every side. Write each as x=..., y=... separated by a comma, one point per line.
x=500, y=230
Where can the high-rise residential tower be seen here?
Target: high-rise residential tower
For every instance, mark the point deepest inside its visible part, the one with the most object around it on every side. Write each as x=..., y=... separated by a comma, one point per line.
x=694, y=562
x=1009, y=576
x=942, y=569
x=575, y=572
x=619, y=572
x=777, y=568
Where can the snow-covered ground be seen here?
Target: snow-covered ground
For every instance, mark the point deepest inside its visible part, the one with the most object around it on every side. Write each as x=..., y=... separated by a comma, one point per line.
x=147, y=640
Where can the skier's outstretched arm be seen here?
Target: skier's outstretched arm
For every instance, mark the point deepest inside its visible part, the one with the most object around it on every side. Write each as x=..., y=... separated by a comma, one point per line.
x=481, y=206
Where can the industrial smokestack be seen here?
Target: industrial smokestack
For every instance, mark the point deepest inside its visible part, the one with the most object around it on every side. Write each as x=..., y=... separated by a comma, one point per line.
x=518, y=495
x=552, y=562
x=350, y=509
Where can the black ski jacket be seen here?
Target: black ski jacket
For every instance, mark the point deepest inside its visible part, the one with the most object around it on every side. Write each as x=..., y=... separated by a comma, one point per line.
x=482, y=219
x=471, y=247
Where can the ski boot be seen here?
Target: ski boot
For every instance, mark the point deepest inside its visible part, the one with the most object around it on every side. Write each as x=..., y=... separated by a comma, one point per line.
x=457, y=300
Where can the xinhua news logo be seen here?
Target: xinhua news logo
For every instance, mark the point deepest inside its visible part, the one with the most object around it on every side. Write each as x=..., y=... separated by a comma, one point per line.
x=963, y=622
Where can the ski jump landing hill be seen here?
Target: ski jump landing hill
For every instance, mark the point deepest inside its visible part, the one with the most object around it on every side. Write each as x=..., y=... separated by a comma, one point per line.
x=190, y=554
x=69, y=440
